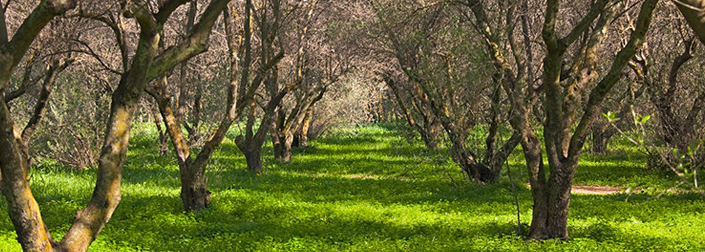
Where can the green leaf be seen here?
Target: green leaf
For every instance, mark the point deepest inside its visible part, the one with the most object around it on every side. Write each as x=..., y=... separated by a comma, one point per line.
x=611, y=117
x=645, y=118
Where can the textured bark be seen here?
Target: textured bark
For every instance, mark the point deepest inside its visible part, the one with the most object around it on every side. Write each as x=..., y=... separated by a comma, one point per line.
x=194, y=194
x=163, y=137
x=26, y=79
x=251, y=143
x=444, y=108
x=522, y=101
x=287, y=121
x=14, y=160
x=602, y=131
x=531, y=146
x=90, y=221
x=23, y=209
x=282, y=143
x=601, y=135
x=677, y=129
x=694, y=13
x=183, y=87
x=253, y=157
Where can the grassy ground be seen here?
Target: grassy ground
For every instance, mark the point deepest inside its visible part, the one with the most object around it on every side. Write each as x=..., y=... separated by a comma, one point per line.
x=362, y=189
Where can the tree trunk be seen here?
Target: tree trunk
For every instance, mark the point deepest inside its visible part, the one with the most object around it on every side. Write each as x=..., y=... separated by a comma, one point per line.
x=477, y=172
x=194, y=194
x=282, y=146
x=254, y=160
x=531, y=147
x=563, y=150
x=306, y=125
x=89, y=221
x=551, y=204
x=430, y=138
x=600, y=137
x=693, y=11
x=251, y=143
x=32, y=234
x=163, y=138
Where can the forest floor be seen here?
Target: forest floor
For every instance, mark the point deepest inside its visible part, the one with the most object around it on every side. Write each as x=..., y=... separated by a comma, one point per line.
x=366, y=188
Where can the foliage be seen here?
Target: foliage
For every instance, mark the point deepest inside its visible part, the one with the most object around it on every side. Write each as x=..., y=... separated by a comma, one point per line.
x=73, y=129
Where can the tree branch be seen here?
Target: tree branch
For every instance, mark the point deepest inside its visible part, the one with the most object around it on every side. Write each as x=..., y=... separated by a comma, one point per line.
x=598, y=94
x=167, y=9
x=694, y=13
x=194, y=44
x=27, y=32
x=54, y=69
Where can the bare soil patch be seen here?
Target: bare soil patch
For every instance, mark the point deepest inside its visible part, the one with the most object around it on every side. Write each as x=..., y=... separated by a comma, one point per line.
x=596, y=190
x=600, y=190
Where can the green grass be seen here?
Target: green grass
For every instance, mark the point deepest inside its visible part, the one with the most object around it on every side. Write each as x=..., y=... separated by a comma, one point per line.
x=361, y=189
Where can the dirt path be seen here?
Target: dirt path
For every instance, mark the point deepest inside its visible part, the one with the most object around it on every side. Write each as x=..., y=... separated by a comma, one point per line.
x=596, y=190
x=601, y=190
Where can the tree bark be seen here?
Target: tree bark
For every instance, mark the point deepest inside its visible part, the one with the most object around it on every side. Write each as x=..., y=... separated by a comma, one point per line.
x=251, y=143
x=283, y=131
x=601, y=135
x=282, y=143
x=694, y=13
x=427, y=130
x=194, y=194
x=563, y=142
x=305, y=126
x=163, y=138
x=39, y=109
x=23, y=209
x=253, y=157
x=106, y=196
x=32, y=234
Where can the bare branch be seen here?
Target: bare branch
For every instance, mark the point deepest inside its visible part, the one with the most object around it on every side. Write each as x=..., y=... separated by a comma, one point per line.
x=194, y=44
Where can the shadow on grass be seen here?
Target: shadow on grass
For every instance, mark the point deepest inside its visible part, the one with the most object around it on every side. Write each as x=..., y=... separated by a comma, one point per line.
x=346, y=190
x=623, y=174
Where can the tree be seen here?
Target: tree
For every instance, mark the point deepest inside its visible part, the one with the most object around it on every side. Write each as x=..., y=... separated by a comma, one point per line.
x=269, y=20
x=446, y=80
x=322, y=56
x=288, y=120
x=421, y=120
x=145, y=64
x=565, y=85
x=194, y=194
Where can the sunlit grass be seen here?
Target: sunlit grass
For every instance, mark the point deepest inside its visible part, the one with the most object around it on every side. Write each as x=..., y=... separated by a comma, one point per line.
x=362, y=189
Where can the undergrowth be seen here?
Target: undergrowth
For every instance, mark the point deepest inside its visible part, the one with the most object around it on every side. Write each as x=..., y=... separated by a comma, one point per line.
x=361, y=189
